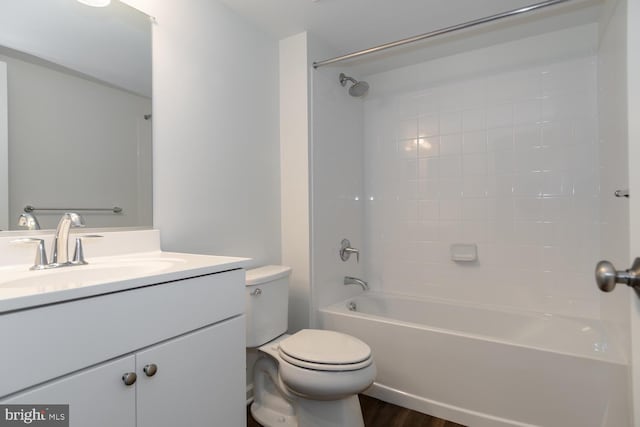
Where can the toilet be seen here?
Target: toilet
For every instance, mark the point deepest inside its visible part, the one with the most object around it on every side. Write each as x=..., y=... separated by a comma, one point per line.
x=309, y=379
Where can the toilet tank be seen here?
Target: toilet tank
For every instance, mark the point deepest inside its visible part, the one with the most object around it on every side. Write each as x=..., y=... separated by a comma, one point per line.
x=267, y=296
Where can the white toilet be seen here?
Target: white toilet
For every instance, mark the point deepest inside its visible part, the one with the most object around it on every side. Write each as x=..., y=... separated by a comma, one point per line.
x=309, y=379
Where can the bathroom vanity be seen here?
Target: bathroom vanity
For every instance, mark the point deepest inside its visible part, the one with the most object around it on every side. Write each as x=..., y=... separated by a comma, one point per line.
x=147, y=338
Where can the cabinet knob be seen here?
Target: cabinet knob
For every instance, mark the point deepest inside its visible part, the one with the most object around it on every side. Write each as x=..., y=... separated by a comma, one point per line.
x=150, y=369
x=129, y=378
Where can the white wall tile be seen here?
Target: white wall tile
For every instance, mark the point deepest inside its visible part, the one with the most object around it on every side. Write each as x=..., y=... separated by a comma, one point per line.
x=527, y=136
x=474, y=119
x=450, y=167
x=450, y=187
x=428, y=147
x=407, y=149
x=528, y=209
x=450, y=122
x=450, y=209
x=501, y=163
x=428, y=125
x=500, y=185
x=474, y=141
x=429, y=168
x=451, y=144
x=428, y=210
x=475, y=209
x=526, y=112
x=475, y=186
x=475, y=231
x=500, y=139
x=508, y=162
x=407, y=128
x=557, y=133
x=429, y=189
x=474, y=164
x=500, y=115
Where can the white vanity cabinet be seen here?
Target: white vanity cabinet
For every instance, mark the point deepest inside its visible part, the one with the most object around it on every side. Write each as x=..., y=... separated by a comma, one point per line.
x=196, y=383
x=191, y=332
x=97, y=397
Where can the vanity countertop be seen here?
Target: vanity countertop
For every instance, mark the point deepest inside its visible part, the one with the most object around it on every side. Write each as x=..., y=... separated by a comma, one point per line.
x=21, y=288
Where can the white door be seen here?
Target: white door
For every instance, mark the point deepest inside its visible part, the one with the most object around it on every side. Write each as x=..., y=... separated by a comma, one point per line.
x=97, y=396
x=198, y=380
x=619, y=111
x=633, y=76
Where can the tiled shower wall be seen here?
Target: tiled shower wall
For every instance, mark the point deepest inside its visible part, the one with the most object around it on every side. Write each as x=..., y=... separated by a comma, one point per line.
x=507, y=161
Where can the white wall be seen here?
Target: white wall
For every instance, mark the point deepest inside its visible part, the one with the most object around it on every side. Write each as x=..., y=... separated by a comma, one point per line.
x=337, y=162
x=4, y=147
x=216, y=145
x=321, y=171
x=215, y=107
x=295, y=175
x=496, y=147
x=76, y=143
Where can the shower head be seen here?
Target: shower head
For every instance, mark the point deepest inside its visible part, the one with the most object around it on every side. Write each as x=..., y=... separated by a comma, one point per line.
x=358, y=89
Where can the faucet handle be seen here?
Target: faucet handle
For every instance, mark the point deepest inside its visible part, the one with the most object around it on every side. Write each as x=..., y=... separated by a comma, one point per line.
x=346, y=250
x=40, y=263
x=29, y=221
x=78, y=254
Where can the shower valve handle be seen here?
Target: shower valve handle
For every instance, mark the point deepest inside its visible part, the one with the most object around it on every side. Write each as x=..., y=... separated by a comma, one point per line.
x=346, y=250
x=607, y=277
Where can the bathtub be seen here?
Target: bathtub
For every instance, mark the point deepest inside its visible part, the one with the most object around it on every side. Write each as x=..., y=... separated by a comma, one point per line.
x=483, y=366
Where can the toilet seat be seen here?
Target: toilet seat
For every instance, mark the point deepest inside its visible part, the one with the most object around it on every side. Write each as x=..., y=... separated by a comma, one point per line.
x=323, y=350
x=324, y=366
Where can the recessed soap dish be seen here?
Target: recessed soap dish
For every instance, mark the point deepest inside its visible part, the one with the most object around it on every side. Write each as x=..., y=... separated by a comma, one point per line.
x=464, y=252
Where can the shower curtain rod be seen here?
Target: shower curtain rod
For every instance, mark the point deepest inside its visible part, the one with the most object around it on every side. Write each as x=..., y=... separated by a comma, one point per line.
x=440, y=32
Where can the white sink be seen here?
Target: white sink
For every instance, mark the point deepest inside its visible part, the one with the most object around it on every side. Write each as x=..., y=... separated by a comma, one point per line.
x=100, y=271
x=21, y=288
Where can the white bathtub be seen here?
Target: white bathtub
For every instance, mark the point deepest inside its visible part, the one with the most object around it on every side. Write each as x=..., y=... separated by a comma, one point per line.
x=482, y=366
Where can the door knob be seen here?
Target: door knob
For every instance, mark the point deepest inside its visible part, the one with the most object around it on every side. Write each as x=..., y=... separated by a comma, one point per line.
x=607, y=277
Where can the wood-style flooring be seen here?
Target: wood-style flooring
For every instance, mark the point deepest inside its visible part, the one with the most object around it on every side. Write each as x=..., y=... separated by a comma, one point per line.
x=377, y=413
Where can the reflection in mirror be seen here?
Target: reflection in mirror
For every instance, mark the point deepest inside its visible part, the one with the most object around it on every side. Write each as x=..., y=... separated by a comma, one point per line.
x=77, y=112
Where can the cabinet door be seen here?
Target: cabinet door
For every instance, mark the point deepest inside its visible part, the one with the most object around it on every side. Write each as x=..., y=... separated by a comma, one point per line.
x=199, y=382
x=97, y=396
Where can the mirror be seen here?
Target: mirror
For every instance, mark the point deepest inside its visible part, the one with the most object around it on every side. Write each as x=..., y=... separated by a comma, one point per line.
x=75, y=113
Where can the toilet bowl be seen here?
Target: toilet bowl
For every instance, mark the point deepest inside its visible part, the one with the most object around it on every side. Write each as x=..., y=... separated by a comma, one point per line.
x=310, y=378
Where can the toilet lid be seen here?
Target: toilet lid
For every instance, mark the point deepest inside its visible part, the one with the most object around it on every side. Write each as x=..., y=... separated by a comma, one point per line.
x=320, y=347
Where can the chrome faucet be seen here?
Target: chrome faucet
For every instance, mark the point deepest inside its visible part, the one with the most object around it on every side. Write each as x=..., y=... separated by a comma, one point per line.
x=29, y=221
x=60, y=248
x=348, y=280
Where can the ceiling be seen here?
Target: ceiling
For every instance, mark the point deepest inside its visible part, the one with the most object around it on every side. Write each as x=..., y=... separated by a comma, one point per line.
x=352, y=25
x=113, y=44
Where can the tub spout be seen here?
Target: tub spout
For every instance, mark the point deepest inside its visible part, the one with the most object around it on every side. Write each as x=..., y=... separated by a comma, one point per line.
x=348, y=280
